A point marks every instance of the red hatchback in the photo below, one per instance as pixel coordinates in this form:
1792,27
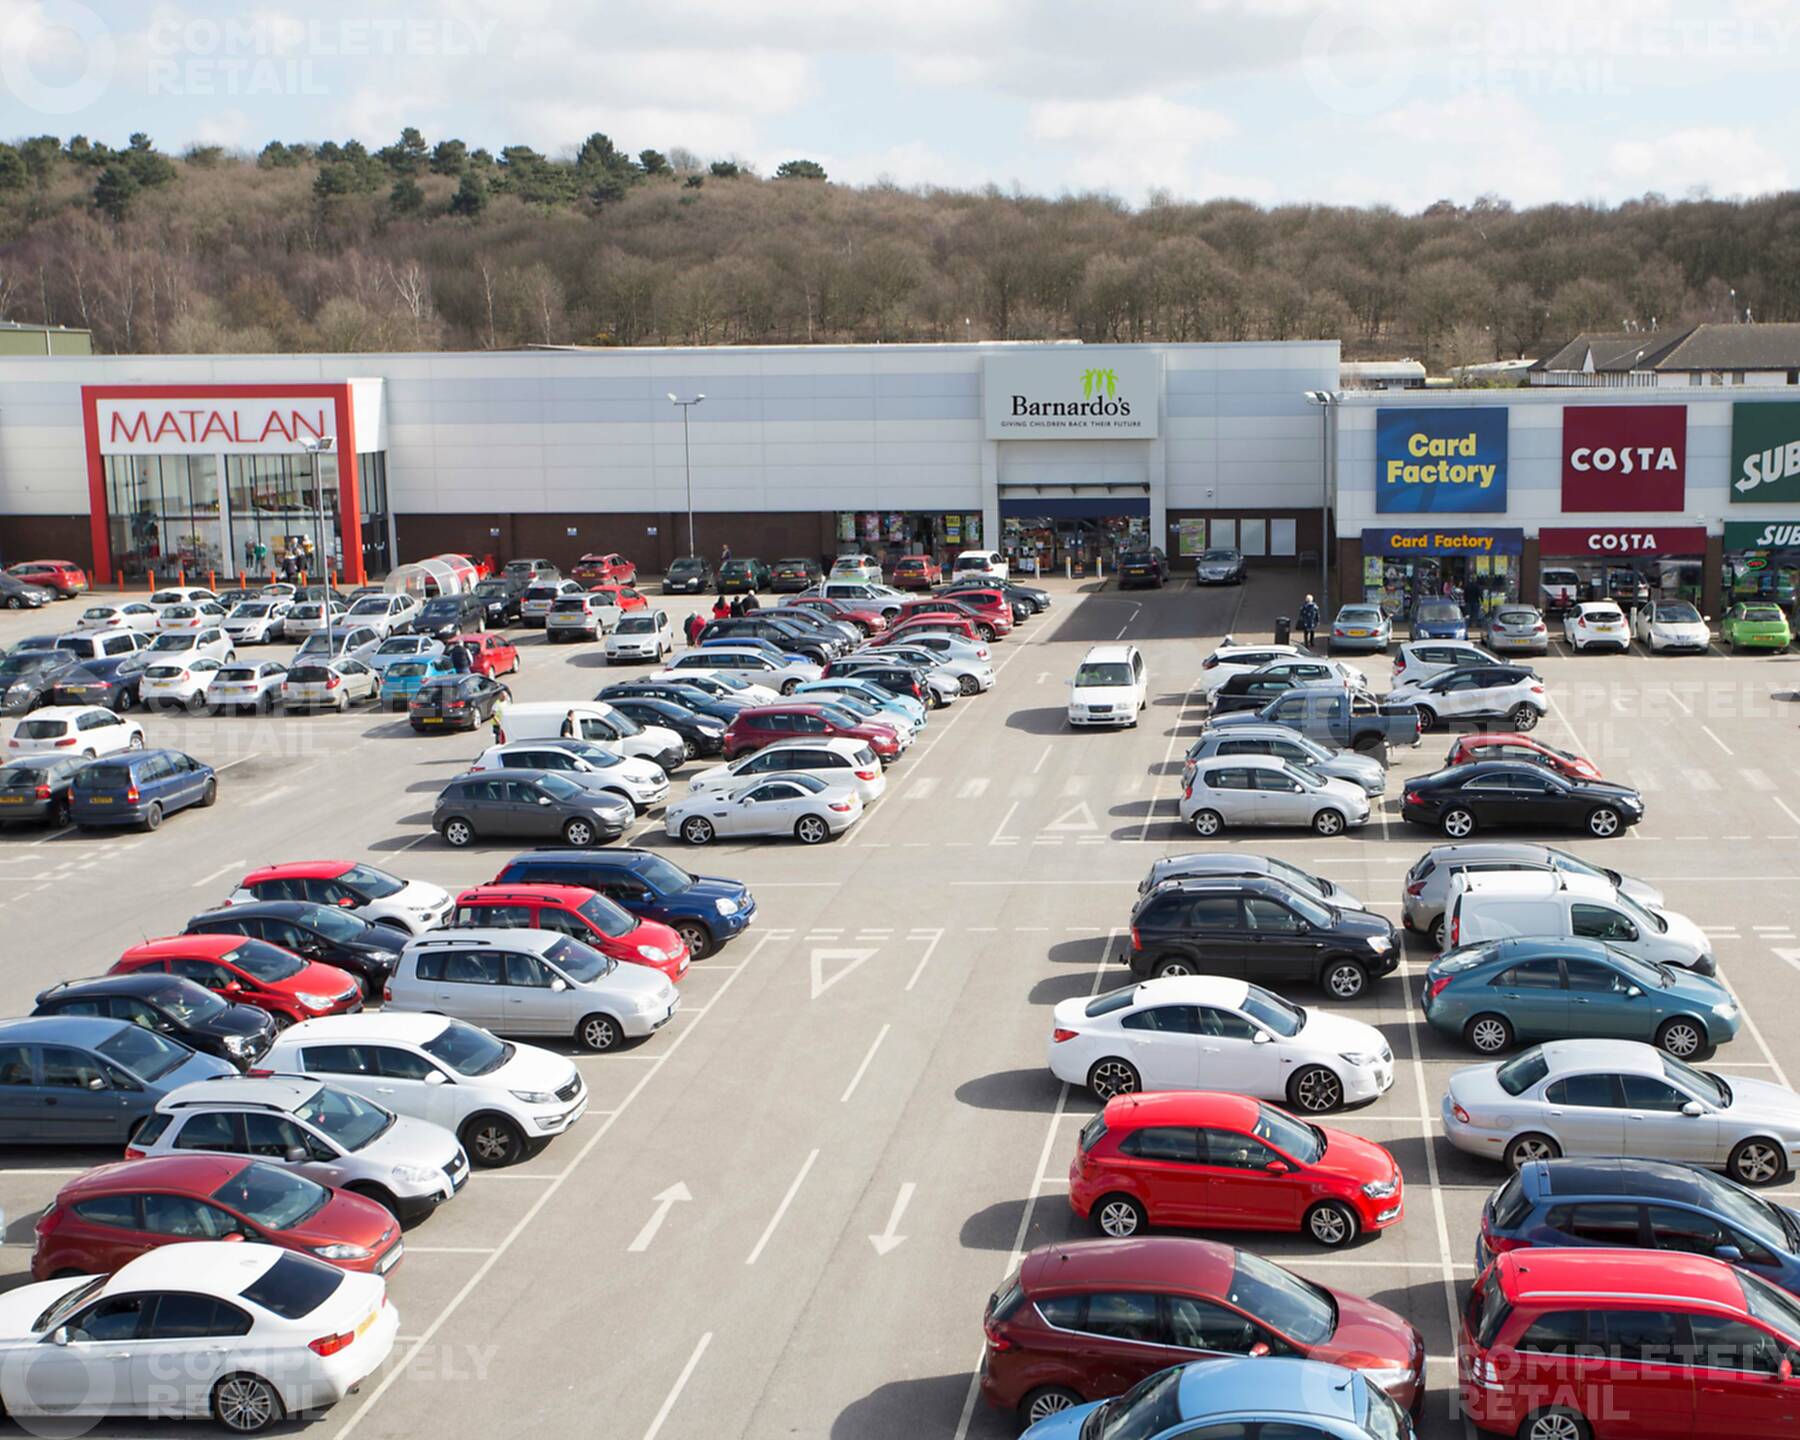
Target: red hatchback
870,622
490,654
63,576
991,607
571,910
932,622
596,570
622,596
116,1213
1089,1320
1201,1159
250,972
1502,745
917,572
760,725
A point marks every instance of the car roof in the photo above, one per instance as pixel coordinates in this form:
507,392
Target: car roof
265,910
59,1029
1526,947
1192,990
1108,652
1148,1262
199,1172
495,893
837,744
1181,1107
1311,1389
61,712
300,870
450,937
1255,762
134,982
626,858
1536,884
1648,1179
1605,1273
790,707
401,1027
212,1267
207,947
1621,1056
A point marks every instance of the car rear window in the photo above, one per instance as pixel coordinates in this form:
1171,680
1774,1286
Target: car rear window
1511,1204
1113,1000
294,1286
309,674
1093,1133
1520,1073
41,729
234,674
103,777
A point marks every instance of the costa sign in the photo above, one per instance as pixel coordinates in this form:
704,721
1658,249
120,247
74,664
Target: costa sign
1624,457
260,425
1622,540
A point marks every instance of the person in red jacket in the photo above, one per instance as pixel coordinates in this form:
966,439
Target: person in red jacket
694,626
721,608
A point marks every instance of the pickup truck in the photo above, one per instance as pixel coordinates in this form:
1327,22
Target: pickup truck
1333,717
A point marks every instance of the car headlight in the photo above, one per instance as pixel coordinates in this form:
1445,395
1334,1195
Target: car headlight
1362,1059
534,1097
1380,944
710,728
417,1175
726,906
1725,1008
341,1252
316,1002
237,1044
1381,1189
1387,1376
655,954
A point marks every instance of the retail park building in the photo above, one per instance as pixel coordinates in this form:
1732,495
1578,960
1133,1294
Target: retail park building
1057,453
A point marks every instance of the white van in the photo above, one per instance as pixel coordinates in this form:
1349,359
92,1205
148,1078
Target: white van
590,720
1495,905
1110,686
980,562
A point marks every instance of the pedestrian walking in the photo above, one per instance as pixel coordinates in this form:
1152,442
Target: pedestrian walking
694,626
721,608
1309,618
494,717
737,607
459,658
751,603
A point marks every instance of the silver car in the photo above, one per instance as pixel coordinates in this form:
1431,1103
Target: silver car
326,1134
1622,1097
1364,771
334,685
531,982
1418,660
1361,627
257,622
541,595
1264,790
1518,630
971,676
1425,893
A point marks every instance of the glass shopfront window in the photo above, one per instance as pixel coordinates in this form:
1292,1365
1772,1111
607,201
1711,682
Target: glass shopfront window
890,534
274,503
371,479
164,514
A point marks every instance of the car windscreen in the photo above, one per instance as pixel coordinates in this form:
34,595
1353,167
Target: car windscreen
1219,557
1523,1071
1297,1308
164,644
1775,1308
347,1118
493,589
581,963
1437,610
663,875
370,605
637,625
1306,1143
1151,1408
441,609
1103,674
1279,1015
467,1050
189,1003
606,917
275,1199
406,669
294,1286
1674,612
143,1052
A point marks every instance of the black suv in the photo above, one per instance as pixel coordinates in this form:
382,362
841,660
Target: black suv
500,596
1142,567
170,1006
314,932
1261,930
447,615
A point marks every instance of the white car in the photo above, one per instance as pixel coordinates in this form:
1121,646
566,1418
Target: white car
126,615
725,684
1111,687
310,617
248,1324
857,567
1596,624
247,685
181,595
1670,625
848,763
582,616
540,595
753,665
971,677
1302,672
186,619
178,646
800,805
182,683
1231,658
501,1100
1500,691
641,635
412,906
328,684
257,622
531,982
593,764
1418,660
89,730
103,644
980,562
1208,1032
402,647
353,642
1265,790
384,614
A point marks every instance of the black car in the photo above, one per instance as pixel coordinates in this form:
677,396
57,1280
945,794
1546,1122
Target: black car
500,596
776,631
112,682
1148,566
15,594
447,615
738,575
168,1005
700,734
1260,929
825,629
37,788
1250,690
314,932
28,676
797,572
688,575
688,697
454,702
1506,794
890,675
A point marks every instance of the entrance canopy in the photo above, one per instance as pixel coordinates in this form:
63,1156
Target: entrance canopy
1074,502
440,575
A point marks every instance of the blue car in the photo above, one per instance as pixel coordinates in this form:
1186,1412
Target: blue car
1502,993
401,680
904,706
1646,1204
1243,1396
1439,620
705,910
140,787
762,647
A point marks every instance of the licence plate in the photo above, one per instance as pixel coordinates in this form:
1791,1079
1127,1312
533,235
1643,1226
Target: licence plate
382,1266
434,719
12,799
100,799
367,1320
1358,634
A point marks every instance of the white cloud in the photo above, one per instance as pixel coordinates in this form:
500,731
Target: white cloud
1718,159
1128,146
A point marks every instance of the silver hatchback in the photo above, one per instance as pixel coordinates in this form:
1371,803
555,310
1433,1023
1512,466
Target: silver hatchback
1425,893
1518,630
1364,771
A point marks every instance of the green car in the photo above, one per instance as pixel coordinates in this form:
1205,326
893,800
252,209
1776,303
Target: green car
1756,624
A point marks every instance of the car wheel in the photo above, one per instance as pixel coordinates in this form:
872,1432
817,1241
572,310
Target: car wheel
210,794
986,632
13,602
1315,1090
1112,1077
246,1404
1557,1424
60,813
1528,1147
1489,1034
493,1141
1172,967
1428,719
1524,717
1344,980
458,832
687,750
1458,824
123,702
968,684
1046,1401
578,832
811,830
697,830
1604,822
787,686
696,937
1207,822
136,742
1682,1037
1437,933
1328,822
1332,1224
1756,1162
1119,1216
89,755
153,816
599,1032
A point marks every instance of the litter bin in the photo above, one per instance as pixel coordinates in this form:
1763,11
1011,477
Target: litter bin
1284,629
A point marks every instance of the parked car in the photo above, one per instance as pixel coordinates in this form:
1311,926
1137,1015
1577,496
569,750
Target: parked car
704,910
1420,660
897,677
886,702
388,614
640,783
576,911
1220,565
85,730
1111,687
1267,790
27,677
849,764
116,683
1598,624
737,576
688,575
1210,864
1363,771
253,972
1665,625
256,621
500,597
410,906
15,594
864,619
777,636
1497,906
747,664
1252,692
310,617
700,734
445,616
346,642
645,636
917,572
610,567
527,803
171,1006
453,702
530,571
199,615
1425,893
596,721
1475,692
1500,745
989,563
397,648
690,695
1231,658
1147,566
328,934
1517,630
577,617
38,789
856,566
140,787
1200,1159
794,573
336,685
489,654
1508,793
762,725
133,616
185,686
1438,620
177,647
402,680
799,804
1361,627
64,578
1752,625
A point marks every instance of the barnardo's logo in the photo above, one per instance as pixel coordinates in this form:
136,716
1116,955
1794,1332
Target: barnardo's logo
1092,380
1099,400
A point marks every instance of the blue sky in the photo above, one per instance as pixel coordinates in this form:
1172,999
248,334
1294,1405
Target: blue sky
1343,101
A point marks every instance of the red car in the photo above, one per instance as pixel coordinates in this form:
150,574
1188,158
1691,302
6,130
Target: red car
590,918
870,622
251,972
932,622
490,654
116,1213
622,596
1502,745
990,607
1605,1344
63,576
1085,1321
1205,1160
760,725
917,572
595,570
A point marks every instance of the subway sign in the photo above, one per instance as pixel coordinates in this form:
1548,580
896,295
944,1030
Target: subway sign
1762,535
1441,460
1765,453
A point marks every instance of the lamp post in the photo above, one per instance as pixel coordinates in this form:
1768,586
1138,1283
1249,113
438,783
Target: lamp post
687,458
1325,400
324,445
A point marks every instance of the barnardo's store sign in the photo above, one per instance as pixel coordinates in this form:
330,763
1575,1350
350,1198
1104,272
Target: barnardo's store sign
1765,453
1071,392
1445,541
1442,460
260,425
1617,459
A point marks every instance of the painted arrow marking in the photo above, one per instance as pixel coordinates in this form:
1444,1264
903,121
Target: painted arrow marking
887,1240
664,1203
846,960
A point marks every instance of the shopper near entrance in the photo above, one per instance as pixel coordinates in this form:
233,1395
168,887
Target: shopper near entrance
694,626
1309,618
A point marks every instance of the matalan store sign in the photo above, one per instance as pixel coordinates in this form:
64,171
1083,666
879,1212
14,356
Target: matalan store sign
260,425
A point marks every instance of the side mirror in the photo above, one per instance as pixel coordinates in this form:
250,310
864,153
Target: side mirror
1633,993
294,1154
435,1077
345,902
96,1082
237,1235
1276,1167
1693,1109
1262,1037
60,1335
543,799
1730,1254
559,984
1259,1349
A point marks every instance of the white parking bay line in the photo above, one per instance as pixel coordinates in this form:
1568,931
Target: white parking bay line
681,1381
861,1069
781,1210
1786,809
224,869
1707,731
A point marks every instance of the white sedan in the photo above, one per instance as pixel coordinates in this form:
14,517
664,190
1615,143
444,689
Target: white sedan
1670,625
178,646
1234,659
331,685
183,683
238,1333
1208,1032
972,677
1596,623
849,763
126,615
590,763
90,730
248,686
723,684
800,805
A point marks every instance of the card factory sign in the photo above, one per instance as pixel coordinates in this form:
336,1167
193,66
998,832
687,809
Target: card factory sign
1441,460
1071,392
263,425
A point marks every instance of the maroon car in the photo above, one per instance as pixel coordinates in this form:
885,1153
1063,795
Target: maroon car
760,725
866,619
